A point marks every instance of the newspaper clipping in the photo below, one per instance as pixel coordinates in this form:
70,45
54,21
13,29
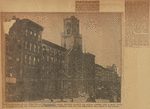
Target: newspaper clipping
62,58
70,59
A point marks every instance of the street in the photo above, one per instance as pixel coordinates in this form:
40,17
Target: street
75,100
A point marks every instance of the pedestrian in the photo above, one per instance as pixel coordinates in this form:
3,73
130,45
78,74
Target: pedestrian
61,98
72,100
90,98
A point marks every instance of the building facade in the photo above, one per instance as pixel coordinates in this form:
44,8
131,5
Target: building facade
107,82
88,73
53,70
25,44
56,71
72,41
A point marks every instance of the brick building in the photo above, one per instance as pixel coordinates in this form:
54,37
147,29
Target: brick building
53,69
56,71
101,76
88,73
107,81
25,45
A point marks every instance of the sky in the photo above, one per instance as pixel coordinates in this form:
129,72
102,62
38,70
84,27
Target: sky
101,32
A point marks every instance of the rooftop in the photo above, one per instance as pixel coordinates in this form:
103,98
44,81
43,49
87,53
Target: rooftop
53,45
99,66
90,54
26,22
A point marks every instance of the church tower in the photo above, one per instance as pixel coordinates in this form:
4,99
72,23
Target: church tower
71,38
72,41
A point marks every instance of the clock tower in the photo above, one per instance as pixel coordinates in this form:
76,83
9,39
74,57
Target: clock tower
72,41
71,37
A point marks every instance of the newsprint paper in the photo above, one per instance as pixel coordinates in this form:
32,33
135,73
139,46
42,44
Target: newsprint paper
75,54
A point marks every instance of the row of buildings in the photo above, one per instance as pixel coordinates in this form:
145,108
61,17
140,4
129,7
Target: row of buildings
38,69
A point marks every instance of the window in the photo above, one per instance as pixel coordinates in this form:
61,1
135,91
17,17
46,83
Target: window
34,61
68,27
52,51
11,74
26,32
38,60
35,34
43,68
20,72
17,59
25,58
44,48
47,70
47,49
29,60
38,49
30,46
56,52
52,59
9,58
39,37
31,32
34,48
47,58
26,45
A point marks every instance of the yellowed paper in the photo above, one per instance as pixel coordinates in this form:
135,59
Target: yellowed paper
94,50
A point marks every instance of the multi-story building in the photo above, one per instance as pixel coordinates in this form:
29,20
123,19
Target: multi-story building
101,76
53,69
56,71
10,84
88,73
106,80
25,45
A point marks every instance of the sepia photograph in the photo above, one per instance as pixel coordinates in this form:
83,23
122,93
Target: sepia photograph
75,54
63,57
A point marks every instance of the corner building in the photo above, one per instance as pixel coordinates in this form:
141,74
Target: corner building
26,41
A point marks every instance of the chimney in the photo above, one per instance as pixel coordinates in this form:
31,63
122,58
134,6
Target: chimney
14,18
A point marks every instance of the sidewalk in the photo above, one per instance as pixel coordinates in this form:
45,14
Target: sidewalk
75,100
